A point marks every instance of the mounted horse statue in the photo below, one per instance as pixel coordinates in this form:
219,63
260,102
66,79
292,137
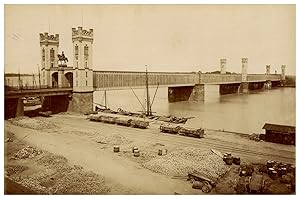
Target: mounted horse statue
62,58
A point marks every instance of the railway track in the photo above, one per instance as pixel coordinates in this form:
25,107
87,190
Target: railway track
244,151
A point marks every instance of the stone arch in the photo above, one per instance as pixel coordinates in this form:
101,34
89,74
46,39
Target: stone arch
69,78
54,77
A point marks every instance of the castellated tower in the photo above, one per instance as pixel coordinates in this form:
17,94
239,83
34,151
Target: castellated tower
49,49
82,69
223,66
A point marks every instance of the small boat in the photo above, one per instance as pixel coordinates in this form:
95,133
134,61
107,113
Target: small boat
169,128
32,101
191,132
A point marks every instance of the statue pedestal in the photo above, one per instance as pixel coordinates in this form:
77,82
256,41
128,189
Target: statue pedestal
62,65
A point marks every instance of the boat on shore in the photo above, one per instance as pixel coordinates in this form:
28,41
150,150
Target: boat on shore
32,101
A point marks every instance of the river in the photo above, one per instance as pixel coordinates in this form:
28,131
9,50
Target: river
244,113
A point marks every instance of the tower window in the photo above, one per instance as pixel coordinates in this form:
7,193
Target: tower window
52,65
86,52
86,83
76,73
51,54
76,52
43,54
86,74
77,64
86,65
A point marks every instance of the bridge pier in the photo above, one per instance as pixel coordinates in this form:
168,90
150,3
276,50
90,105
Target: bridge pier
244,87
228,88
256,85
268,84
13,108
185,93
57,104
82,102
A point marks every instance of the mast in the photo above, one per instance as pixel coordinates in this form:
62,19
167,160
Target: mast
39,77
19,79
105,99
147,92
33,80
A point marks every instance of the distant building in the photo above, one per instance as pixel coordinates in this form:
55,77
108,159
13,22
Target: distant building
282,134
22,80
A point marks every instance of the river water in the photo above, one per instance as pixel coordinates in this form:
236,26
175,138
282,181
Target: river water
244,113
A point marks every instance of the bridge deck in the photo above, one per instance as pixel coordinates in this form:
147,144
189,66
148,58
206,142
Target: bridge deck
38,92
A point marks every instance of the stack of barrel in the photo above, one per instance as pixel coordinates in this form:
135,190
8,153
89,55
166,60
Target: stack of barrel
229,159
279,169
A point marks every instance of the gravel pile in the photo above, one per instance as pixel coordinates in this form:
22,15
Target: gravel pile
31,123
188,160
80,182
27,152
112,139
14,169
33,184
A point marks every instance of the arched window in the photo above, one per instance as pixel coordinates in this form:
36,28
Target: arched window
52,55
43,54
86,52
76,52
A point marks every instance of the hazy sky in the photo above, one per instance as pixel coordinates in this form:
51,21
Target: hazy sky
165,37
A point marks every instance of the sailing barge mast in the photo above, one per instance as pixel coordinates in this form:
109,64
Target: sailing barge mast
149,112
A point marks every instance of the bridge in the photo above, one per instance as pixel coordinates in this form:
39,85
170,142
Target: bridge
182,86
103,80
70,88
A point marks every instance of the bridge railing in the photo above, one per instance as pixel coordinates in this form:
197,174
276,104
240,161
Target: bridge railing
219,78
256,77
273,77
18,88
107,79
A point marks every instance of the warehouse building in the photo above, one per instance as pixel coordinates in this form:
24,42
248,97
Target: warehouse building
282,134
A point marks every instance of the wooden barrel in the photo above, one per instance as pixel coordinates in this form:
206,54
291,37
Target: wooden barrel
270,170
237,160
136,153
273,175
116,149
270,163
228,160
159,151
134,148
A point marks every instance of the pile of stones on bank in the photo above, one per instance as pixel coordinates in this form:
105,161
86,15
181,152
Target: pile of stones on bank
119,121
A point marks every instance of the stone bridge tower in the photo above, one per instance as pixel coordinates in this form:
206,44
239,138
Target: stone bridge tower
82,99
49,49
223,66
244,84
283,72
268,69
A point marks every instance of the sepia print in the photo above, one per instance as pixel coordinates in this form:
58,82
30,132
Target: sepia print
149,99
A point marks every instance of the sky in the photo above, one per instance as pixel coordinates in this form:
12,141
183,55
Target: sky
164,37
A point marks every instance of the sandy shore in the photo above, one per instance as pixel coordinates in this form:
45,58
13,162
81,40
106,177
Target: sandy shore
84,150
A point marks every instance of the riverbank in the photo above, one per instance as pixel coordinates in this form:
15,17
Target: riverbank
80,147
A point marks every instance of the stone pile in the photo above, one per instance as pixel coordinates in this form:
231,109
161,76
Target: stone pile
31,123
112,139
189,160
27,152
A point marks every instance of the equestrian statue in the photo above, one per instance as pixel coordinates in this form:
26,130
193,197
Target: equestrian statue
62,58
